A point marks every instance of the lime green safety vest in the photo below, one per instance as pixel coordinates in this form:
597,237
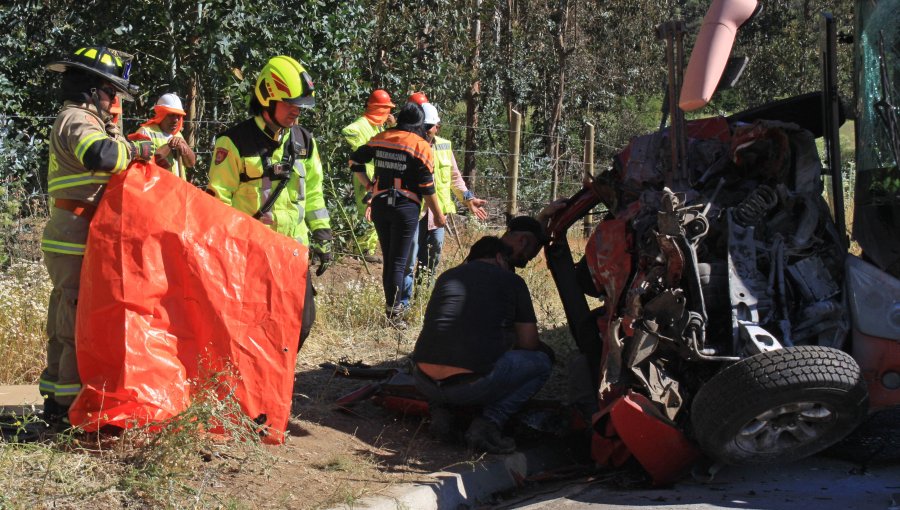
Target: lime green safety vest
358,134
158,138
443,173
237,177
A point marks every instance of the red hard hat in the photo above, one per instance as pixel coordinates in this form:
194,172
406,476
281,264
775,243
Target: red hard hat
380,97
418,97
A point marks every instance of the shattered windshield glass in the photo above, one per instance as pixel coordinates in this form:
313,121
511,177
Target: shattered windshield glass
877,194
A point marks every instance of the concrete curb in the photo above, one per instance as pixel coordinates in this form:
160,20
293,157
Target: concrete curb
465,487
20,399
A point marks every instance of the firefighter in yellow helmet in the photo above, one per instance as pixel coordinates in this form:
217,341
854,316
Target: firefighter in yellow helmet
86,148
268,167
164,130
357,134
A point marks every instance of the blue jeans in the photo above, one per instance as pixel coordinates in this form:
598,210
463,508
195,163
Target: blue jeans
419,260
516,377
431,243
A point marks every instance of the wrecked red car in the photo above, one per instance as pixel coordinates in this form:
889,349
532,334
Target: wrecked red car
735,322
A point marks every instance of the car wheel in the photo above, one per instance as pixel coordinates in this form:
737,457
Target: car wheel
779,405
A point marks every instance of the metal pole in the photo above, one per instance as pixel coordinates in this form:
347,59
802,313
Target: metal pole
830,113
588,170
679,79
665,32
515,135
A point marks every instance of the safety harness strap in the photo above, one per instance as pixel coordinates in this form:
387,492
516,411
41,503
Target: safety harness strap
296,149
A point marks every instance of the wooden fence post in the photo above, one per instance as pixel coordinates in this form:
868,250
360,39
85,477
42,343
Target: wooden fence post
515,135
588,170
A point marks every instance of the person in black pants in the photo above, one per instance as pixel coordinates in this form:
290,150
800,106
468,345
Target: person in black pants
404,166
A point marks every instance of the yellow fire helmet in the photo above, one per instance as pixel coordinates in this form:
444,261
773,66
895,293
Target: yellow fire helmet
285,79
107,63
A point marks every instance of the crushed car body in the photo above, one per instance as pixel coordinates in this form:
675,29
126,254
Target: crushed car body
731,308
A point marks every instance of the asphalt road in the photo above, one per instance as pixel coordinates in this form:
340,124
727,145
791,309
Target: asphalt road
817,483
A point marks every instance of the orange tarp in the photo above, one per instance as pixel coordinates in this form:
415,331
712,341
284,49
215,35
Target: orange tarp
177,286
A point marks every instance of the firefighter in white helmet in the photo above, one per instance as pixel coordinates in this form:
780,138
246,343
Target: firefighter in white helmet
448,182
172,151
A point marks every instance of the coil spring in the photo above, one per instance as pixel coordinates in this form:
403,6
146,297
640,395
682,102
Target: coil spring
755,207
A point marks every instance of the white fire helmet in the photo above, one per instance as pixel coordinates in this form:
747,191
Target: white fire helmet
431,114
171,102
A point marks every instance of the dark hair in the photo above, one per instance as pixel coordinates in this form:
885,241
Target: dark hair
488,247
527,224
411,118
77,84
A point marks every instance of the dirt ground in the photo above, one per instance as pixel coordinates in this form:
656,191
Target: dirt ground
337,456
333,457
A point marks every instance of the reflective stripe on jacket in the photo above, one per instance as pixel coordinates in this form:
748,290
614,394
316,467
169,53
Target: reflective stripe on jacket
357,134
176,166
404,161
299,209
443,173
83,156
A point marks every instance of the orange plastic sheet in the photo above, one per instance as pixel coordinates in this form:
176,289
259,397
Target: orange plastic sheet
177,287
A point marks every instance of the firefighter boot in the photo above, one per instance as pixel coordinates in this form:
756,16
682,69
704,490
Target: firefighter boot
484,435
56,416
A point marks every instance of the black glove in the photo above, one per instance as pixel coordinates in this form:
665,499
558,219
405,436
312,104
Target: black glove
322,247
367,198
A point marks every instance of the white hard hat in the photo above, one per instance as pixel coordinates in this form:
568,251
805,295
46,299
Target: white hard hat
431,114
171,102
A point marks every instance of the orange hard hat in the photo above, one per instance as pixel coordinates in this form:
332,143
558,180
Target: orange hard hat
380,97
418,97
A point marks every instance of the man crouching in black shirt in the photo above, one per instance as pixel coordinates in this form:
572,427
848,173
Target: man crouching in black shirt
479,347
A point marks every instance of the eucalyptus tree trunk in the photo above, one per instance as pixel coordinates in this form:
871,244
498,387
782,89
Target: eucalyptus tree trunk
472,99
562,52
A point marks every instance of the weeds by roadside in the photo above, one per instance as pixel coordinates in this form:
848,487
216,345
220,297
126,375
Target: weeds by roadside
175,464
180,464
24,292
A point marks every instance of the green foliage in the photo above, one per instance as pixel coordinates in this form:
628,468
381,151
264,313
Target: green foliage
559,63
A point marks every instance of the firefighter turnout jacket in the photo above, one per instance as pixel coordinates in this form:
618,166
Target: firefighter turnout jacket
84,153
249,165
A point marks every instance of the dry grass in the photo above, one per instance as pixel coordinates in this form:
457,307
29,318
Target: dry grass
183,466
24,292
176,467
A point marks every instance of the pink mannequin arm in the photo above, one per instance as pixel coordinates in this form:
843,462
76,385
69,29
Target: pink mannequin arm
711,51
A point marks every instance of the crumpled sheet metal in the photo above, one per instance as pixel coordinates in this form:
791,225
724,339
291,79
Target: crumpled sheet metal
178,288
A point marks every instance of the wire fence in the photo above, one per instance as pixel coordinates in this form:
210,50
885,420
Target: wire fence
23,163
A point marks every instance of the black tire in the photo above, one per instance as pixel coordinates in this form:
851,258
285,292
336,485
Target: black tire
779,406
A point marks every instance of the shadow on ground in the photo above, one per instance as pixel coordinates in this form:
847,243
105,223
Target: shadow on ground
400,442
395,442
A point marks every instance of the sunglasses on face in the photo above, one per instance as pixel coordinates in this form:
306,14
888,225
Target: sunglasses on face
109,91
